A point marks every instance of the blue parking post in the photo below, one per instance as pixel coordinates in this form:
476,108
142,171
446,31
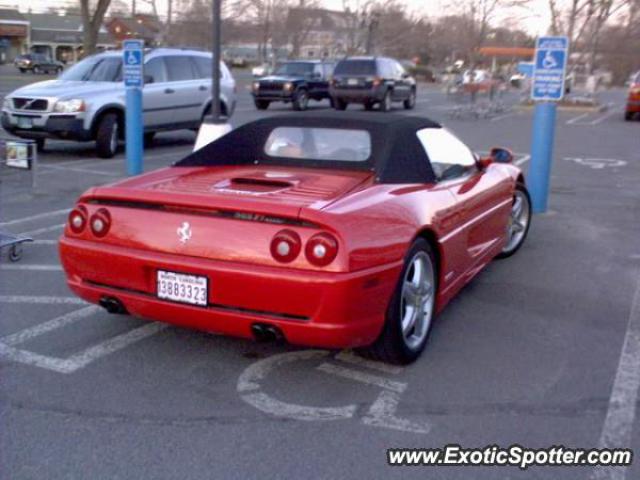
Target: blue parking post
134,136
547,87
544,124
133,81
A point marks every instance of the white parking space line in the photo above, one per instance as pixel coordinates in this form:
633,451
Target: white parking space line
44,242
347,356
79,170
523,159
362,377
35,359
34,217
573,120
505,115
618,424
46,300
59,322
114,344
33,268
603,117
38,231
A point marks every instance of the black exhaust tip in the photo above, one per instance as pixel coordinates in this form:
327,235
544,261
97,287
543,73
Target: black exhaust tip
263,332
112,305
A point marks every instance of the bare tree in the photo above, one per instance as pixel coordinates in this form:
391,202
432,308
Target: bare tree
269,15
92,18
300,25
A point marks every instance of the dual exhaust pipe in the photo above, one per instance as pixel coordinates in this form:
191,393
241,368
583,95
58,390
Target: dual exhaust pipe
262,332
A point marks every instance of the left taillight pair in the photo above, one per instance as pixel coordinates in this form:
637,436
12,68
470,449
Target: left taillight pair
320,250
99,222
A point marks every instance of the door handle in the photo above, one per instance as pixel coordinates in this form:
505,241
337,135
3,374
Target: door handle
202,88
169,90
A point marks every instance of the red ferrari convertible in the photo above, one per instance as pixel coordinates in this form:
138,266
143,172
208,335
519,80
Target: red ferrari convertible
332,230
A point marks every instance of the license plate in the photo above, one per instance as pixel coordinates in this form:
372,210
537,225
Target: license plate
179,287
25,122
353,81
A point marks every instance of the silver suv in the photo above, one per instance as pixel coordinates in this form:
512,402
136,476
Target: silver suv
87,101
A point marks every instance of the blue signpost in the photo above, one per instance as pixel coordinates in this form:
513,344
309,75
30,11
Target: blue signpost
133,73
547,88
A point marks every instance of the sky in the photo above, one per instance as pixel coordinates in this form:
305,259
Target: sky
535,19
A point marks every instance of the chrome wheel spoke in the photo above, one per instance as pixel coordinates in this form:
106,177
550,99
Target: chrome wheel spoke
417,300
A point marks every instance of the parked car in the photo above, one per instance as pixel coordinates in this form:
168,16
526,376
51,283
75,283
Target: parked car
633,99
37,63
332,230
87,102
370,81
294,82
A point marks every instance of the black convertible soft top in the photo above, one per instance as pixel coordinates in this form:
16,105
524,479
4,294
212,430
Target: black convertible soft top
396,153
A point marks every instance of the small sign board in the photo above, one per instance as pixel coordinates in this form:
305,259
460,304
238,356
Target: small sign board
549,67
133,63
19,154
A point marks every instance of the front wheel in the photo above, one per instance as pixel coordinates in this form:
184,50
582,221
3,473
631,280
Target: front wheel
107,136
519,221
410,103
411,311
301,100
385,104
261,104
628,116
340,104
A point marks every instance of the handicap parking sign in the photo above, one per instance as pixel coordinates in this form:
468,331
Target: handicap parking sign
549,68
132,63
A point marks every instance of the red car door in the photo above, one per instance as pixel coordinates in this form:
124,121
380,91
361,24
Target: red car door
482,204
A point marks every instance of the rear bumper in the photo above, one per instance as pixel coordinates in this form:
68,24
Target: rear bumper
358,95
633,105
322,309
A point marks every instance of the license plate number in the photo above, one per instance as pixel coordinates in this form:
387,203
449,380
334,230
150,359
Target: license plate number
353,81
179,287
25,122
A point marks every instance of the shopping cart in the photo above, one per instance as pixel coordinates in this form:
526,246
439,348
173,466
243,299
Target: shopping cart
12,244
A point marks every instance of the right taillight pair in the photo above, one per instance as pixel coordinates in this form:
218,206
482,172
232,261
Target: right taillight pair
100,221
320,250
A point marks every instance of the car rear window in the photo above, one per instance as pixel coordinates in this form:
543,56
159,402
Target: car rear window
339,144
355,67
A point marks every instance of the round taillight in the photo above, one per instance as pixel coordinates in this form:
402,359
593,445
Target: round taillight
100,222
78,219
285,246
321,249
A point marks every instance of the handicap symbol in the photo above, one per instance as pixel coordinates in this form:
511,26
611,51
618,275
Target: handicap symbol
549,61
132,58
381,413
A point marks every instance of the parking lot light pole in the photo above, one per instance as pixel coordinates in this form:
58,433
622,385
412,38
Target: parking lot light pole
214,126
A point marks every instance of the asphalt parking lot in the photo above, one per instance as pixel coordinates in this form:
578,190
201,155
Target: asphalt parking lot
540,349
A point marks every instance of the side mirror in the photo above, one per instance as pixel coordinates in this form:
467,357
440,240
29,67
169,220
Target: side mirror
501,155
148,79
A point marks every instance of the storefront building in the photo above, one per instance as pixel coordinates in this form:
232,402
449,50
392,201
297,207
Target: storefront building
14,34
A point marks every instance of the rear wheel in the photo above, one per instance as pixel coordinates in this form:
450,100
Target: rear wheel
411,311
340,104
368,105
40,144
107,136
301,100
519,221
23,70
628,116
385,104
261,104
36,69
410,102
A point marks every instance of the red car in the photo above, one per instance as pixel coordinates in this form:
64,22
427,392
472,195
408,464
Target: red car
633,100
332,230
